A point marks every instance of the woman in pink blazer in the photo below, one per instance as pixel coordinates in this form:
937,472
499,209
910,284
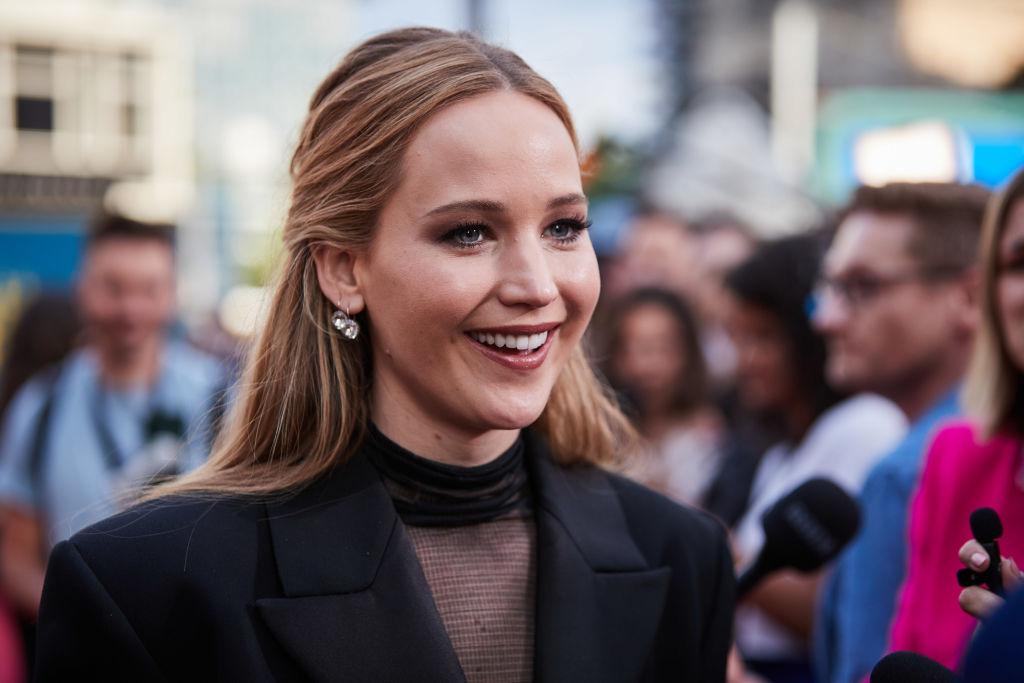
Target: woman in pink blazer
976,464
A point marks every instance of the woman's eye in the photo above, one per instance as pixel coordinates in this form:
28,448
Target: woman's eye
466,235
566,230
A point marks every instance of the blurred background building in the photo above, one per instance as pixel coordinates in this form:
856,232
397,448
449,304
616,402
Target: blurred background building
771,111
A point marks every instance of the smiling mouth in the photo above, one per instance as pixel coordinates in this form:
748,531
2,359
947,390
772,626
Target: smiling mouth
522,348
511,344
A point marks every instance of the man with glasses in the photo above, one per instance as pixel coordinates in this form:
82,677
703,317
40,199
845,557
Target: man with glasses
897,305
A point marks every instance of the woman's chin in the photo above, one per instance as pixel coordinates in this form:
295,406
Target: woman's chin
511,417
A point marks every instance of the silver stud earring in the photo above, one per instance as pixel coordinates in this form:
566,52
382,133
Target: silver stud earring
348,327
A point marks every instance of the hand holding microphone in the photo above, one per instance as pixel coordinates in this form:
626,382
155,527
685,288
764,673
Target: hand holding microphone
985,566
994,655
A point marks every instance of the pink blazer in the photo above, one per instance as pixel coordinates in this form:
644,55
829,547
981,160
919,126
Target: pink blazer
960,475
12,668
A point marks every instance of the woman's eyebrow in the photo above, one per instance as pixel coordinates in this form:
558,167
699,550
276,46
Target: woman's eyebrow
484,205
491,206
567,199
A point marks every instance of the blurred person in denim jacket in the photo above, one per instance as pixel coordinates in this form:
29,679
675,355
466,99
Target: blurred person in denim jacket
898,307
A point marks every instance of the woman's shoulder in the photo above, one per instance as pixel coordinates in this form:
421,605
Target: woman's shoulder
960,443
864,411
856,432
656,519
179,536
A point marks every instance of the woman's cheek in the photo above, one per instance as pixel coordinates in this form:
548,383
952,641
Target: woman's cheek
582,284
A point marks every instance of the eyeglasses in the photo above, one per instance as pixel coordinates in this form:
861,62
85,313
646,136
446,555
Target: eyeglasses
859,291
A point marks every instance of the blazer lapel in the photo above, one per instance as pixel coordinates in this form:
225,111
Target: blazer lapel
599,603
357,606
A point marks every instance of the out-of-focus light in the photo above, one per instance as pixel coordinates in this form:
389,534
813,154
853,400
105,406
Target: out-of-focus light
149,200
920,152
979,44
251,146
243,310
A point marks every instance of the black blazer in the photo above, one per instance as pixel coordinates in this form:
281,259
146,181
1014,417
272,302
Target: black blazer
325,586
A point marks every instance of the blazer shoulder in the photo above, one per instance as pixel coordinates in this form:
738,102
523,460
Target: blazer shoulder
656,519
172,536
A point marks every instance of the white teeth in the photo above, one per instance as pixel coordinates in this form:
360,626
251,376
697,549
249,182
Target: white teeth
521,342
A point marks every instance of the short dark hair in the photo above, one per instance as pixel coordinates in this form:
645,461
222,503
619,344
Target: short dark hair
947,219
778,278
111,226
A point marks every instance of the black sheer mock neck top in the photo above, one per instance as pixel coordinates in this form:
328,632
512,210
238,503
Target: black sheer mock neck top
474,535
429,493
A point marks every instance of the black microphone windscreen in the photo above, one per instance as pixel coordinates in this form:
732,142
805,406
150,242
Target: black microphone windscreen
910,667
986,525
810,525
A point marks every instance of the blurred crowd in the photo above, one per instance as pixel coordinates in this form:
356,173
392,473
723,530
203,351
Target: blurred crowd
883,351
880,351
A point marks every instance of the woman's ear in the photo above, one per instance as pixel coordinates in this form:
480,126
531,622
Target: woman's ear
336,273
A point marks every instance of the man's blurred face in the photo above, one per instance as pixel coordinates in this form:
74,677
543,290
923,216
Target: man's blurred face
885,324
127,292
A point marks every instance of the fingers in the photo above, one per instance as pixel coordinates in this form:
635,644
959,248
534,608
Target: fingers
979,602
973,555
1012,576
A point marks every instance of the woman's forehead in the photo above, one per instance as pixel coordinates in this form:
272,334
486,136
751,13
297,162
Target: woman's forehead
492,145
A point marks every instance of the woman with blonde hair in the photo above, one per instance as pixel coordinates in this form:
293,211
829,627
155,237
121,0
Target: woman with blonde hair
973,464
409,487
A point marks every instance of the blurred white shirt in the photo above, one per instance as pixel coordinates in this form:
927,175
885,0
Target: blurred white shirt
842,445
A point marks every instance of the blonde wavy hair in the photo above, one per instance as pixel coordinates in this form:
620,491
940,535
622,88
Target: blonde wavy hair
303,403
994,389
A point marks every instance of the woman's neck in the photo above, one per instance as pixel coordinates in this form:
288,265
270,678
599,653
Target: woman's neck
445,444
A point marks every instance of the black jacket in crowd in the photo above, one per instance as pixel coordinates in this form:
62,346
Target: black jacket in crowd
325,586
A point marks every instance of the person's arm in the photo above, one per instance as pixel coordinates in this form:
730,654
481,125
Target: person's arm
21,559
789,598
82,632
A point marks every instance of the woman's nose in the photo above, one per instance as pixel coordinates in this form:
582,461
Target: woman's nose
526,276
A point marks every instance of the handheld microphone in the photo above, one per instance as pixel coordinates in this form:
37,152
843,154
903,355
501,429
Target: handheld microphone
910,667
986,528
804,529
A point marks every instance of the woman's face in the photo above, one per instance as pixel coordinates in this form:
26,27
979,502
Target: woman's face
651,356
1010,287
480,278
764,370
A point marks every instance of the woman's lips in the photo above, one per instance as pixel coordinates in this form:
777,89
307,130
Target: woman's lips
517,359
